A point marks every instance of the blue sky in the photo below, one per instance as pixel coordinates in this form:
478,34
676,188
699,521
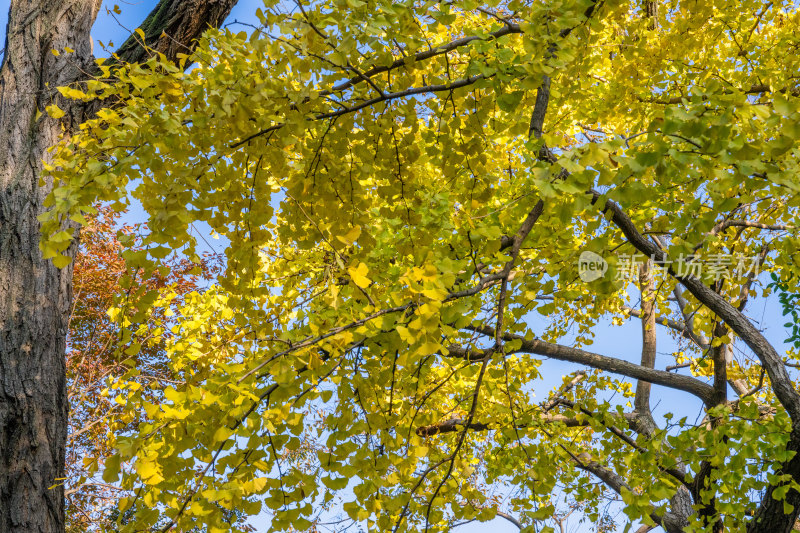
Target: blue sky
116,28
623,342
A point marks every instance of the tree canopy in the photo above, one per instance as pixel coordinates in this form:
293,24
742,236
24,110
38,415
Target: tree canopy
401,187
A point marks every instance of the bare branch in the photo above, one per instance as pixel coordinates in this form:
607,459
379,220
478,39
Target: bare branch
602,362
722,226
678,327
508,29
754,89
386,97
772,362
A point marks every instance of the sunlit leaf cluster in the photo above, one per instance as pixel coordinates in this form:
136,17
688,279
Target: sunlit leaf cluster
402,244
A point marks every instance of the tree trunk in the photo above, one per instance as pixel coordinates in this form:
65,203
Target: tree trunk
34,295
770,516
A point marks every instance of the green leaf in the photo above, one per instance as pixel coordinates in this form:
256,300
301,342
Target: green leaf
111,468
510,101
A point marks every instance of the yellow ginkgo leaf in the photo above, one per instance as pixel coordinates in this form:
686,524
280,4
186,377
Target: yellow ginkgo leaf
359,275
54,111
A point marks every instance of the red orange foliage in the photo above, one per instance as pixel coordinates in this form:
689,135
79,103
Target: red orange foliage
93,357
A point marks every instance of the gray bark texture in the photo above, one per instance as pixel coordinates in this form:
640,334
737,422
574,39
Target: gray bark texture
35,297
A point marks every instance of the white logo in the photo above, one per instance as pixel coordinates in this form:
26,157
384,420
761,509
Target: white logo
591,266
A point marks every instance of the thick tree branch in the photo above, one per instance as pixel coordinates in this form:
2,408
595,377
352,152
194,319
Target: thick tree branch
601,362
458,424
719,358
644,422
772,362
173,27
708,510
510,519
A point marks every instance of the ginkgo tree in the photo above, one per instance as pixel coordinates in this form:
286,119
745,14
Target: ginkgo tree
402,187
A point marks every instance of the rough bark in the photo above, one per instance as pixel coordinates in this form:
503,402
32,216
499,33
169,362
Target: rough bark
770,516
34,295
680,509
172,27
651,13
643,422
708,511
